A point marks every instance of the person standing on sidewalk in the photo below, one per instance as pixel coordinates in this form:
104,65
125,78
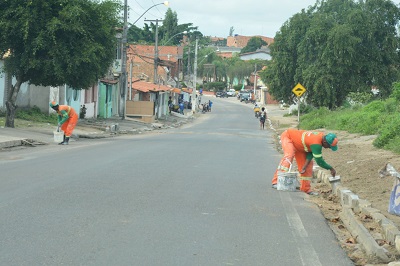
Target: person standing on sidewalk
181,107
67,120
305,146
170,105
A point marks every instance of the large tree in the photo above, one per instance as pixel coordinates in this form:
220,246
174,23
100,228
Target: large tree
334,48
51,43
168,32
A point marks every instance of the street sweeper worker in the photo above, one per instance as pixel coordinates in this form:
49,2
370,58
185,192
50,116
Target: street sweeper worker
67,119
305,146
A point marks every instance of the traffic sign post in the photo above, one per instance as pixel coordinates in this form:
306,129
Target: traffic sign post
298,90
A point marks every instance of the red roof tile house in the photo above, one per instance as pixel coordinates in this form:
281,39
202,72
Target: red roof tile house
241,41
140,61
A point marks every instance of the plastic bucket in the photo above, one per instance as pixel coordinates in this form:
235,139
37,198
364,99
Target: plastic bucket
58,136
287,181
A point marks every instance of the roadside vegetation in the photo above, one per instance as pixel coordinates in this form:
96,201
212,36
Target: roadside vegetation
31,115
334,48
375,117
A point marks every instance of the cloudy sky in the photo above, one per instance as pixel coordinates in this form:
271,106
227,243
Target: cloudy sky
216,17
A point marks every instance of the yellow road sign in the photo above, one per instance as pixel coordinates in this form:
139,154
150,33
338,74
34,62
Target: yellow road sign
299,90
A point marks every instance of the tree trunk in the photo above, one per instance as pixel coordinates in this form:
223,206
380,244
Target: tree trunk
10,114
11,103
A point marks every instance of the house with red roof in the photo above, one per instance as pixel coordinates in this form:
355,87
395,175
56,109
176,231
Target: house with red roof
140,63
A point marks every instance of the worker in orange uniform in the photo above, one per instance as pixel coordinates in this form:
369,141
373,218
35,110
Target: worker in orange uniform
67,119
304,146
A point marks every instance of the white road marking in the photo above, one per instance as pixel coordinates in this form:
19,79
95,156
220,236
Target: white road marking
307,253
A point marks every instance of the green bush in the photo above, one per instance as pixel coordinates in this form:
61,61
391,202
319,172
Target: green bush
215,86
367,123
360,97
374,106
238,87
318,118
396,91
391,106
388,133
35,114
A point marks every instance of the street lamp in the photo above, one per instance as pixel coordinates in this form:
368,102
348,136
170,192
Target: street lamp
124,82
157,52
165,3
206,56
183,32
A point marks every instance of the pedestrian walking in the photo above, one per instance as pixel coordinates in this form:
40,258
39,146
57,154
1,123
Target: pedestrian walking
67,120
263,117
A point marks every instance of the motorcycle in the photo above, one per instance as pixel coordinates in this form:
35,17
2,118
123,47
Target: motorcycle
205,108
257,111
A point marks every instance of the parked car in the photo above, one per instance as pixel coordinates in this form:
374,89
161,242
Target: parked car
231,93
221,94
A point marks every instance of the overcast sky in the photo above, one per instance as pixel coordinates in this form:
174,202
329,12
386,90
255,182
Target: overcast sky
216,17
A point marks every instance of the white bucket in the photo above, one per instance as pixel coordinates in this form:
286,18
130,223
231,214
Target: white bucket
287,181
58,136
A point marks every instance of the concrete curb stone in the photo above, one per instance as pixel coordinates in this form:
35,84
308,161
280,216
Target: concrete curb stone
357,229
352,204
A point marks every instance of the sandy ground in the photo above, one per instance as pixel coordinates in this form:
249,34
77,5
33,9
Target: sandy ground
357,162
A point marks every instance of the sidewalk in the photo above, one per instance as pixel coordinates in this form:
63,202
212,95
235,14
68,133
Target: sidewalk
42,133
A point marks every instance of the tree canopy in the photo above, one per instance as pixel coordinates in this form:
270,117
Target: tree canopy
253,44
57,42
334,48
168,32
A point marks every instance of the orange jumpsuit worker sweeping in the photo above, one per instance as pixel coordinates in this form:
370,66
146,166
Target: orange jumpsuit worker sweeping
67,119
304,146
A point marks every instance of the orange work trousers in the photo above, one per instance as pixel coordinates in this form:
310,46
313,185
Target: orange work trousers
289,153
69,125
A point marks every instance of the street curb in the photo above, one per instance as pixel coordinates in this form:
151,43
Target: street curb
10,143
351,205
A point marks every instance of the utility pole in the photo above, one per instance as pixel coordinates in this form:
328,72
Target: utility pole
255,81
194,78
155,49
123,80
188,66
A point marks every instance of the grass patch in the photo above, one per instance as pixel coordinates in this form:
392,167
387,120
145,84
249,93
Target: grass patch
31,114
376,118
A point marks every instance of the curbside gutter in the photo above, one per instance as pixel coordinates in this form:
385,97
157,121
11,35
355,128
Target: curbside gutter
351,205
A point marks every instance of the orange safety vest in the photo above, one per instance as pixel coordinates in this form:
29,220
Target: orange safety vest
303,139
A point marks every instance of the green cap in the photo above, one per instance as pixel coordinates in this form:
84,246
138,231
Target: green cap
332,141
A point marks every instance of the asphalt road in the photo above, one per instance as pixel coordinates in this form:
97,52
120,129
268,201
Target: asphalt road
197,195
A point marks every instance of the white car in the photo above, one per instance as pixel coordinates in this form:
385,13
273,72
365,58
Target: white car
231,92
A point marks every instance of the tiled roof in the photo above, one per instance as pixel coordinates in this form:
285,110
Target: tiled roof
241,41
166,53
144,86
109,81
175,90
